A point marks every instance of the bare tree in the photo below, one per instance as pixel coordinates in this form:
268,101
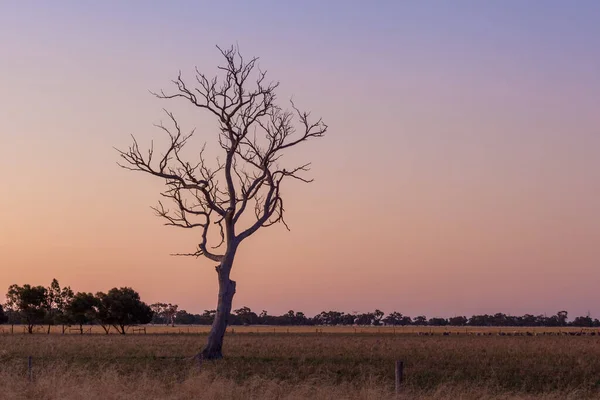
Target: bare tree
253,133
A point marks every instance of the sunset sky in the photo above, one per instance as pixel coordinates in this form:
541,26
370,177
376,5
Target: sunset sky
460,174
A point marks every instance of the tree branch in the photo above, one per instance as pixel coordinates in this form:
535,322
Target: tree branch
253,133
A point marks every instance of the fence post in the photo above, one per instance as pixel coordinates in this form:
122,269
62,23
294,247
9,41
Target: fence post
399,374
29,368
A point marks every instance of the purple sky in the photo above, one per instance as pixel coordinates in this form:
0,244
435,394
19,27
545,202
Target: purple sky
461,172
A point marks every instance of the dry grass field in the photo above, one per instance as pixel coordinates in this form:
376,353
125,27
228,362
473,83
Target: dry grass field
335,364
261,329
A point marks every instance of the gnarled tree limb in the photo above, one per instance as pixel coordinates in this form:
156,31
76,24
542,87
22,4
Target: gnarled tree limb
253,132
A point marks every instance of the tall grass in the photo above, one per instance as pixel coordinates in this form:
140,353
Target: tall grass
294,366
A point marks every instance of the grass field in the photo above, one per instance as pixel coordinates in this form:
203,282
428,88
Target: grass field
260,329
335,364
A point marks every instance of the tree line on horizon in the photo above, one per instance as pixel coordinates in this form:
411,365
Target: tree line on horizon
121,308
245,316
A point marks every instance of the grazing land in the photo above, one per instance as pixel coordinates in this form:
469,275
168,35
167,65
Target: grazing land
335,364
340,329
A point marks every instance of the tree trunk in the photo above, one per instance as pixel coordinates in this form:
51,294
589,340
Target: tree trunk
214,344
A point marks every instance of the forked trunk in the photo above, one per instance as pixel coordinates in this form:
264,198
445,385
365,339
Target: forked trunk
214,344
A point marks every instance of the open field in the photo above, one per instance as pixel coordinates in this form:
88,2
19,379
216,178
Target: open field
300,365
261,329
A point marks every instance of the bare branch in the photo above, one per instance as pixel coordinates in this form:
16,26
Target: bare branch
253,133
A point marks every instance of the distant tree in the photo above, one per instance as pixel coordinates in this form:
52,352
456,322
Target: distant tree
437,322
361,319
3,316
562,317
369,318
587,322
157,317
265,319
164,313
241,194
333,318
30,302
83,309
458,321
246,316
394,318
170,313
56,303
121,308
301,318
500,319
420,320
377,317
525,320
540,320
480,320
185,318
290,318
207,317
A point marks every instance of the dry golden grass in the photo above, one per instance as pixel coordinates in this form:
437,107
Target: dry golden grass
260,329
296,366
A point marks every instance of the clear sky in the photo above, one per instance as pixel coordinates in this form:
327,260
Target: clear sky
461,173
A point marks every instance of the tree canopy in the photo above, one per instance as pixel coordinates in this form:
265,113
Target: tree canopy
122,307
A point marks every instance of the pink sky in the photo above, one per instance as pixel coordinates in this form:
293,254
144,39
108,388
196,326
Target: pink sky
460,174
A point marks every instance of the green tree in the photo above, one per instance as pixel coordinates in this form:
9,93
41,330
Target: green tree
82,309
30,302
121,308
164,313
57,300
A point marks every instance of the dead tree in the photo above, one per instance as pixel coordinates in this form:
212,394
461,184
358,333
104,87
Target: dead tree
253,133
